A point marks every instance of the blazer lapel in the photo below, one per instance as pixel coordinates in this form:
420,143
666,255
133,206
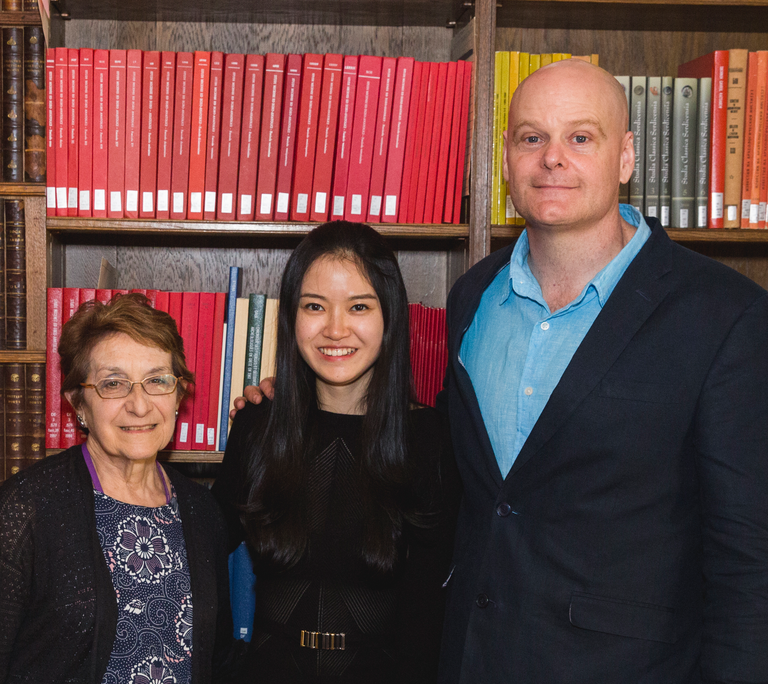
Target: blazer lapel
640,290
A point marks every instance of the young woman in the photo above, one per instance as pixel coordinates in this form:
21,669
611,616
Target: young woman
344,490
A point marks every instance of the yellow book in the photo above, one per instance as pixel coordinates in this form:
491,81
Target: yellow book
534,63
238,351
525,67
561,56
583,58
514,80
546,59
269,343
503,117
495,185
595,59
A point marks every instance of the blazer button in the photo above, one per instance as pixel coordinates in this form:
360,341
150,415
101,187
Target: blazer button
481,600
503,510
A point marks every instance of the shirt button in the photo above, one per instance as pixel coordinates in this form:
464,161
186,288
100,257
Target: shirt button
481,600
545,326
503,510
529,391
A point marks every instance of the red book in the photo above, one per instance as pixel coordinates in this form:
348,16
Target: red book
344,137
150,102
199,137
758,139
761,211
203,385
85,133
306,136
274,75
165,133
463,141
132,132
453,155
50,138
87,294
182,124
714,66
229,150
437,136
152,297
116,161
396,154
53,368
103,296
427,143
444,146
70,303
214,134
287,149
190,305
100,131
174,308
214,401
750,102
420,69
381,140
73,91
162,301
61,56
325,151
139,290
363,136
253,84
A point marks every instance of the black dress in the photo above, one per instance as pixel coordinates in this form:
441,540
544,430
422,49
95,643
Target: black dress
392,623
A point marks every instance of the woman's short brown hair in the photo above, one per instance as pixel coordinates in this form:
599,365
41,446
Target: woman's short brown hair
130,314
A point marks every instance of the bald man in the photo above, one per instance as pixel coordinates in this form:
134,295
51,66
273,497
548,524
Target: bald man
608,399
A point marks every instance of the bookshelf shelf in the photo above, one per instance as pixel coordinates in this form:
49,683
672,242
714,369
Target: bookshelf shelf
678,235
61,226
8,18
22,189
22,356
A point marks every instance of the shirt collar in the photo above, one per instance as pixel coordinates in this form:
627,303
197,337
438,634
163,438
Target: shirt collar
524,284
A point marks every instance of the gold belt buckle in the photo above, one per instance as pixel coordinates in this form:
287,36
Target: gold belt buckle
326,641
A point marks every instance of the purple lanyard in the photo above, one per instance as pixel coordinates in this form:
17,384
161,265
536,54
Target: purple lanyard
95,478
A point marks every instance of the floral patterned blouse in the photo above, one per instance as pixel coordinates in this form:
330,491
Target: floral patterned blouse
147,558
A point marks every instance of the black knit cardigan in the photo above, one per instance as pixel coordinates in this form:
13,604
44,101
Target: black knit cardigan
58,609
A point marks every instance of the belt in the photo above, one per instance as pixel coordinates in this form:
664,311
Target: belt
326,641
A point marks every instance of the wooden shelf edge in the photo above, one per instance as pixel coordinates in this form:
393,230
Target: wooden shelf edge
61,225
175,456
10,18
22,356
678,235
27,189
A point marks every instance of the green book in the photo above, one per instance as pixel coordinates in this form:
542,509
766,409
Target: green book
702,151
256,304
665,146
684,108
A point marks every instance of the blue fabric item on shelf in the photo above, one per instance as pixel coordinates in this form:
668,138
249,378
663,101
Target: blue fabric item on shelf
242,589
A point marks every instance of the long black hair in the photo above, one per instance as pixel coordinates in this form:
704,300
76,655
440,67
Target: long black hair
275,512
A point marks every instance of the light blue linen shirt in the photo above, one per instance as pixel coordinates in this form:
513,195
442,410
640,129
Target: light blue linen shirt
516,350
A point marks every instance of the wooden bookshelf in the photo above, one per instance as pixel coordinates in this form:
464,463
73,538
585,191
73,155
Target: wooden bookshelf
22,190
22,356
8,18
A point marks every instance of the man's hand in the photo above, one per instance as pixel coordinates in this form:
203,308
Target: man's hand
253,394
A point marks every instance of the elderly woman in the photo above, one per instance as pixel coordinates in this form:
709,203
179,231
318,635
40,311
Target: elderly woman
103,551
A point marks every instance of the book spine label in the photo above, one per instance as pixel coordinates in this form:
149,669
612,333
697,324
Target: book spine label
381,139
34,105
213,135
665,147
344,137
274,76
150,85
652,137
85,133
62,131
287,148
734,136
306,136
100,131
397,138
253,84
325,150
684,152
165,133
15,275
419,69
229,151
50,138
444,147
702,151
73,94
116,158
133,132
199,138
637,111
182,123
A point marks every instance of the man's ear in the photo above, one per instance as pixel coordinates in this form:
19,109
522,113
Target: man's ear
627,157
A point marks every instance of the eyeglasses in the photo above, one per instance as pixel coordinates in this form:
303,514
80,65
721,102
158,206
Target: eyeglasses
119,388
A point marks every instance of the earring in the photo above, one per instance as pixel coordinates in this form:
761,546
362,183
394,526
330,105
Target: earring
177,414
81,421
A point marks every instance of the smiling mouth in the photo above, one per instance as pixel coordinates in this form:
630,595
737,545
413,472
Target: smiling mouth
333,351
138,428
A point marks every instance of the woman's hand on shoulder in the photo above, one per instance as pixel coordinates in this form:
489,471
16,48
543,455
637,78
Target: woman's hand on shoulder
254,395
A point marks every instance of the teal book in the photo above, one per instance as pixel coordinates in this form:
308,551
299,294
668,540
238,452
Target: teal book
683,180
256,306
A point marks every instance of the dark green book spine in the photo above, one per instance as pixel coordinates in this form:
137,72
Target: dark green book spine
684,152
665,146
256,306
34,105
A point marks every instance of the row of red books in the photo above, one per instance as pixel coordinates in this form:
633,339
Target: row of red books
739,135
429,351
214,136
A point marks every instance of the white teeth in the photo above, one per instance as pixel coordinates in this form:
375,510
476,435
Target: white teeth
337,352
